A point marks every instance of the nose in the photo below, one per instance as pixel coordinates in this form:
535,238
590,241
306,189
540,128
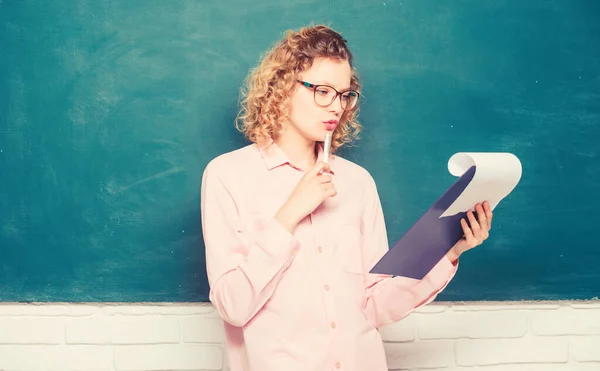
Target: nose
336,106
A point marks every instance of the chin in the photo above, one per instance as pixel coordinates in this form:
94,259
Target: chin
319,137
320,134
314,135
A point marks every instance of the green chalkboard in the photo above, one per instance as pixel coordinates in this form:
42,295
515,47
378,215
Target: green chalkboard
109,112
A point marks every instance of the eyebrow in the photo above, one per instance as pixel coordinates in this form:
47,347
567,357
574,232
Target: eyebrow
320,82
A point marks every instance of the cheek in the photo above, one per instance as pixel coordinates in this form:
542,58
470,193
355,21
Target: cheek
303,107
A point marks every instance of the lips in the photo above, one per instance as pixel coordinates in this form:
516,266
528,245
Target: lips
331,124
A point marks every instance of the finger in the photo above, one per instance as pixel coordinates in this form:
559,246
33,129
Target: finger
488,213
329,190
473,222
468,232
320,166
325,178
475,228
481,217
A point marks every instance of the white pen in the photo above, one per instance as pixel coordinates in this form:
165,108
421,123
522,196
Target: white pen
327,146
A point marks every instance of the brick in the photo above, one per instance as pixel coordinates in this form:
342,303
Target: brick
526,367
401,331
124,330
501,306
19,330
168,357
433,308
482,352
426,354
198,329
55,358
158,308
452,325
42,310
225,361
591,304
586,349
566,321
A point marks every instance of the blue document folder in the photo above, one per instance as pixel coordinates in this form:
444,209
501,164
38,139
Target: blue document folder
483,176
429,239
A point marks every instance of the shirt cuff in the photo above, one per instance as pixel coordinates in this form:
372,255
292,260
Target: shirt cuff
442,273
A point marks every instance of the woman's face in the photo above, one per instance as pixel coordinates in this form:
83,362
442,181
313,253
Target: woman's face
309,121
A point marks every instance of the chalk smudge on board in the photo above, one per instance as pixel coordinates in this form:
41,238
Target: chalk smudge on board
162,174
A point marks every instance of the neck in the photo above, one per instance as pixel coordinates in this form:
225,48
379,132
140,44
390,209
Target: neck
299,150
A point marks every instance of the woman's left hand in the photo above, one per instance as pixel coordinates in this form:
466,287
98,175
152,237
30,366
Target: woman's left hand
478,231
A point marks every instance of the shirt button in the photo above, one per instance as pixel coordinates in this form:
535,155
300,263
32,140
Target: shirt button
333,325
338,365
326,287
319,249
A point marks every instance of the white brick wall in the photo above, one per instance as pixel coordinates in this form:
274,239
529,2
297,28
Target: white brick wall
554,336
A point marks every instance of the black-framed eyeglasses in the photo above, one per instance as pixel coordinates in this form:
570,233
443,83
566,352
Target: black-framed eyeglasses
325,95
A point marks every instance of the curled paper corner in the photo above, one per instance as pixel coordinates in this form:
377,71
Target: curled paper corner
460,162
496,175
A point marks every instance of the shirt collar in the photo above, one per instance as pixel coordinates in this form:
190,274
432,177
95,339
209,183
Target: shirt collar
273,156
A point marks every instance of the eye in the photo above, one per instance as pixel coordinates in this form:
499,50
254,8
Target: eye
349,95
322,91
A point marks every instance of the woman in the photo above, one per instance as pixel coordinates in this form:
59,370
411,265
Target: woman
290,239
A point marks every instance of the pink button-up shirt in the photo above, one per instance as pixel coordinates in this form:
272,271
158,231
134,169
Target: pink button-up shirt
301,302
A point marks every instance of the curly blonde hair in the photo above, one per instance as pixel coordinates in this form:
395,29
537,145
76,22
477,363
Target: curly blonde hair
265,97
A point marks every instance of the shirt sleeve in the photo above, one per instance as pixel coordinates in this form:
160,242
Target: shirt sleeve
389,299
243,267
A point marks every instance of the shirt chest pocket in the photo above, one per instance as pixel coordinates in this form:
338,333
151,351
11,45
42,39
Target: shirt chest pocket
348,256
348,246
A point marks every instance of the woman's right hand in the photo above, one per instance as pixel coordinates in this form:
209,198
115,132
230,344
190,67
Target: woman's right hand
312,189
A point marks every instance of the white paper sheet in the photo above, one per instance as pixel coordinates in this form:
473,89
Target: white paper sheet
496,175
